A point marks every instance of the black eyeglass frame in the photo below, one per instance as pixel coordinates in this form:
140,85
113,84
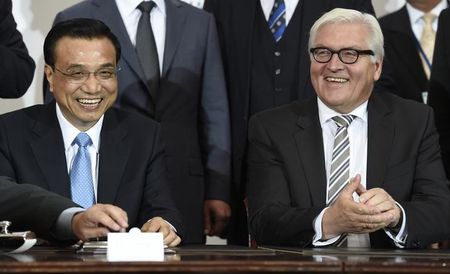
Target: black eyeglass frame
338,52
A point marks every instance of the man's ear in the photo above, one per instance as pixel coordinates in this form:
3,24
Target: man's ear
378,69
49,73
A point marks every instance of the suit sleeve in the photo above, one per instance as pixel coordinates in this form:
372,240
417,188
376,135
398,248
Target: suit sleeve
439,95
427,213
273,220
215,121
157,197
29,207
16,67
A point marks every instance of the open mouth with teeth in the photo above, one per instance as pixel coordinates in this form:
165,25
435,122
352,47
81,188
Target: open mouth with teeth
336,79
89,103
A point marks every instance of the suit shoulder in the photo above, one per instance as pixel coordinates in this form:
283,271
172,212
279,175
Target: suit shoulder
79,8
191,10
133,120
390,18
279,115
17,116
404,106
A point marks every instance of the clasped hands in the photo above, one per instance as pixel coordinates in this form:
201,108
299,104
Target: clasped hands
375,210
100,219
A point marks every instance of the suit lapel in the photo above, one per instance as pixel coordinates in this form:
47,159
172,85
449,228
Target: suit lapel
52,162
404,46
110,15
175,22
310,150
114,153
380,136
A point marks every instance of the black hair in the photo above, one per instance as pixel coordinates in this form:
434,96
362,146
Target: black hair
83,28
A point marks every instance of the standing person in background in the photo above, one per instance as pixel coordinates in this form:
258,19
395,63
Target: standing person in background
16,66
439,97
264,47
409,39
180,83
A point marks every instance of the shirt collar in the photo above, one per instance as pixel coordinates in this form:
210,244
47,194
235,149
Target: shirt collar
130,6
326,113
69,132
415,15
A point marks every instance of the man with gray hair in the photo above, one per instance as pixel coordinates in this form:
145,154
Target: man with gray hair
350,167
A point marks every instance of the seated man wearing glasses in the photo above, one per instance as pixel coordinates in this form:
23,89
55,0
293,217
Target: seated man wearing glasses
82,148
350,167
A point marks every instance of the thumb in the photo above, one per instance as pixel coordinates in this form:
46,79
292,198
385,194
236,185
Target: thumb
354,185
361,189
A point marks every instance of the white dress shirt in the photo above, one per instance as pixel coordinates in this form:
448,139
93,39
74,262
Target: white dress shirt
415,17
69,132
357,134
267,6
130,17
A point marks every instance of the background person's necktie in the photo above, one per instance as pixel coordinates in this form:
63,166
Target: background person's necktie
277,19
340,160
427,40
146,48
82,186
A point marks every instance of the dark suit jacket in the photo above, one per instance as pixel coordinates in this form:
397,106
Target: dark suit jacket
287,180
403,55
439,97
16,66
131,173
192,104
29,207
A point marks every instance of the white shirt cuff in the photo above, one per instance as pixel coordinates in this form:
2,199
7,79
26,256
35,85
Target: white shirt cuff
317,239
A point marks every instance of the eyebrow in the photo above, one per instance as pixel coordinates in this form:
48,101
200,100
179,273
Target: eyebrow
79,66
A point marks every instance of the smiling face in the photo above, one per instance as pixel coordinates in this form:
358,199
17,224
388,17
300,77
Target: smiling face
82,104
343,87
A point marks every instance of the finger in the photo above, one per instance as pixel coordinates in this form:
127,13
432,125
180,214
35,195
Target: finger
96,232
206,221
170,237
117,214
86,233
176,241
152,226
386,205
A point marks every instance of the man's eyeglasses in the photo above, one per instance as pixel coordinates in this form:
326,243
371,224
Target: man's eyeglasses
347,56
79,76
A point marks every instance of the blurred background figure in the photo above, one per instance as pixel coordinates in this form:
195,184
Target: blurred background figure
16,66
440,86
409,35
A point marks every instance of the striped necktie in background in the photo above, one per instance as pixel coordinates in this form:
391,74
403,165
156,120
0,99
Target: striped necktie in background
277,19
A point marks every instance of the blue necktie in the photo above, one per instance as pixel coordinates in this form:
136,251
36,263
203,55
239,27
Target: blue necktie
81,176
277,19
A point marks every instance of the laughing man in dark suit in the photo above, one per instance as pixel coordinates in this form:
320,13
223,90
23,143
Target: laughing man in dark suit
125,164
372,178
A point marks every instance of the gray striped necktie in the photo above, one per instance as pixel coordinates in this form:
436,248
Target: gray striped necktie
340,160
